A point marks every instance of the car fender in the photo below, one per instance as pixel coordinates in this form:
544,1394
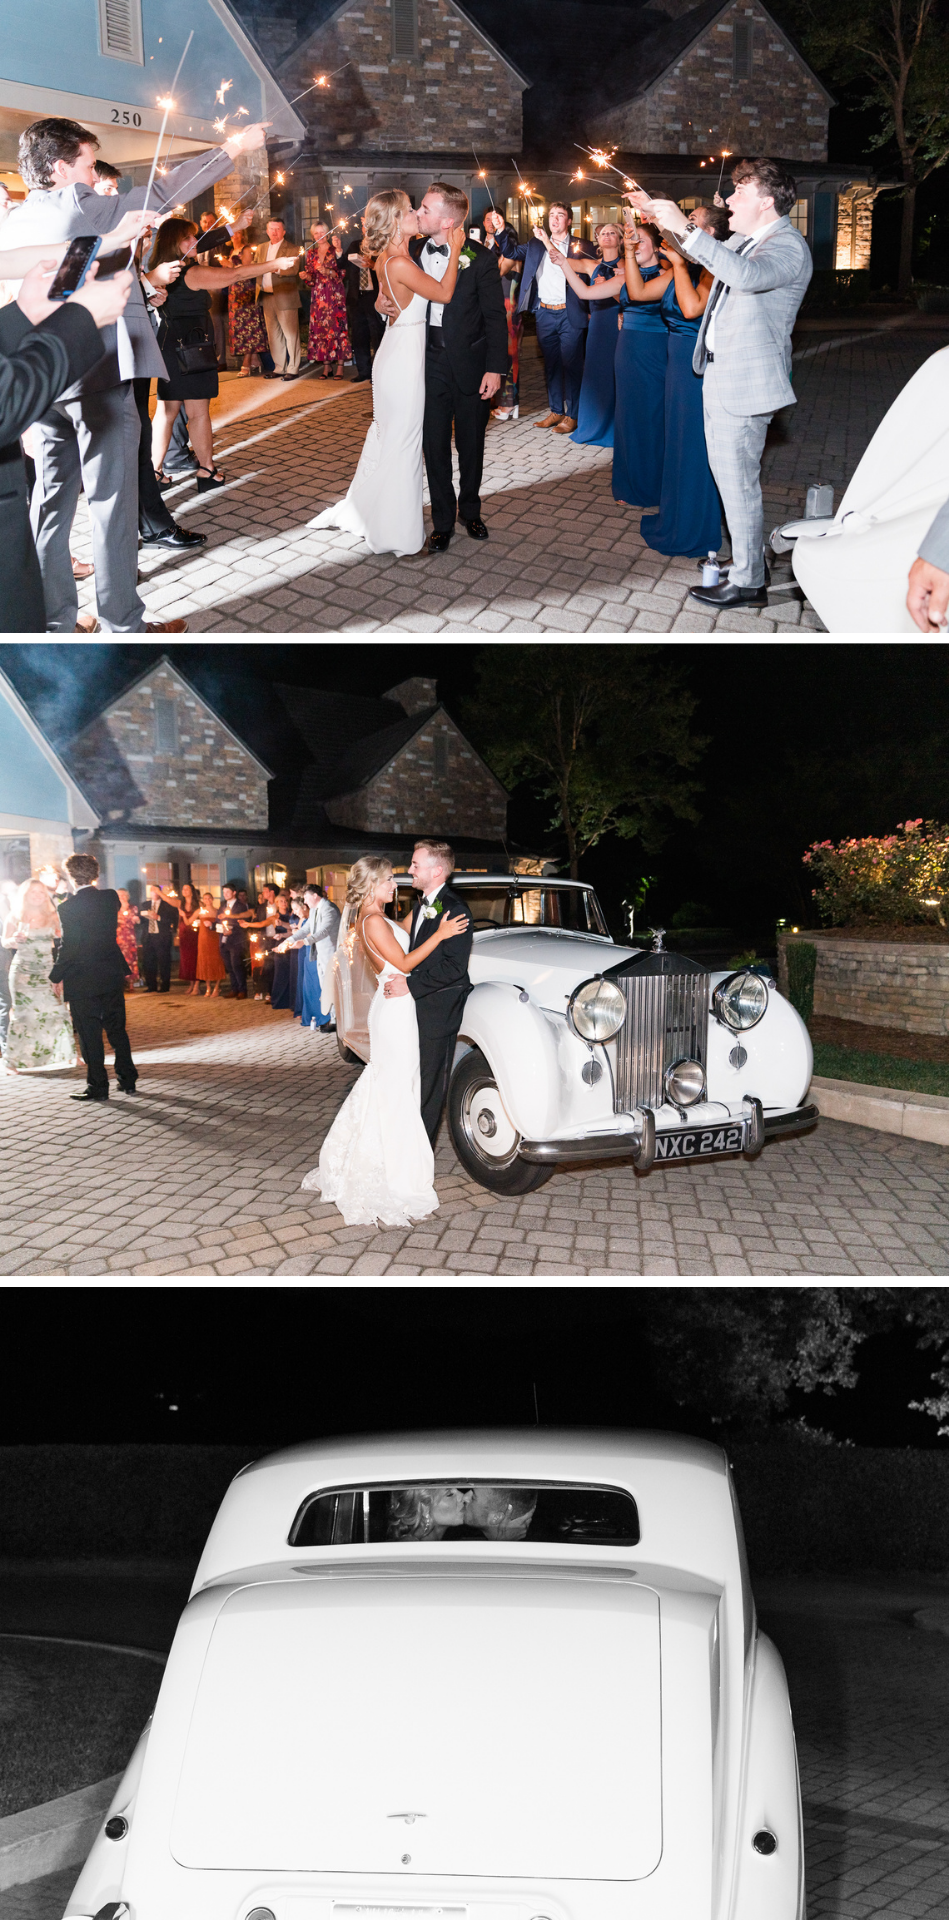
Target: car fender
520,1046
770,1883
101,1878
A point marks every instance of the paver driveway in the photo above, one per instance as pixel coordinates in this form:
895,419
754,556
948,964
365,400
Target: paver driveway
235,1101
563,555
867,1688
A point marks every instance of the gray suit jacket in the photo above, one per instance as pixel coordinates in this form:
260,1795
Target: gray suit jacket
754,321
62,213
935,545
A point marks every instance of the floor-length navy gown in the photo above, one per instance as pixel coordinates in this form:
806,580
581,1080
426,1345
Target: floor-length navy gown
595,413
689,521
639,378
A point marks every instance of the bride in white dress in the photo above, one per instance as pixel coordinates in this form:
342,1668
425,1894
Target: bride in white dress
384,503
376,1162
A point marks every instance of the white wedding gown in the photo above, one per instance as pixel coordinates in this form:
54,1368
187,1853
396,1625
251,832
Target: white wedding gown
384,503
376,1162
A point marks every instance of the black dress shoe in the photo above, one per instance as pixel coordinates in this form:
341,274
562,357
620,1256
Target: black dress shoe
730,596
359,379
476,529
131,1089
94,1099
724,566
184,470
438,542
174,537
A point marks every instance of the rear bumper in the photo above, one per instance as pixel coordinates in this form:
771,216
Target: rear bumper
627,1146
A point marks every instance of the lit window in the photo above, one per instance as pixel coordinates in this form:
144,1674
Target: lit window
799,216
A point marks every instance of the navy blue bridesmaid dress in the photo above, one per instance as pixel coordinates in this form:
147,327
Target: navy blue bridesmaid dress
595,414
689,521
639,379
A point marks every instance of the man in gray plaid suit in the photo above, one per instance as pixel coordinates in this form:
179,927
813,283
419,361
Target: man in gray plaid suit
744,350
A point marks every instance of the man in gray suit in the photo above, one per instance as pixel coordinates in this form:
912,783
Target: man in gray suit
90,437
744,350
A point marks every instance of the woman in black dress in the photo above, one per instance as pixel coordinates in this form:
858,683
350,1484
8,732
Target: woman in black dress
186,334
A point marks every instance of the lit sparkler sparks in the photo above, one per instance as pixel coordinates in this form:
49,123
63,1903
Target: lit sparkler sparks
241,110
726,151
219,125
322,80
224,88
483,176
167,104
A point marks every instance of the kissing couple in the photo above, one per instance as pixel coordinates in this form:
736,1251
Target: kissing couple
376,1163
442,358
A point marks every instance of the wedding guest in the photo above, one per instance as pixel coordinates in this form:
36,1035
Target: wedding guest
247,334
210,969
328,338
744,350
125,935
188,935
315,941
233,921
91,966
157,527
266,938
560,316
7,893
501,239
640,373
280,298
41,1031
365,326
689,521
299,914
161,926
185,332
283,988
595,420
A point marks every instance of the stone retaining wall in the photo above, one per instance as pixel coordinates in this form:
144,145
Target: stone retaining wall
878,983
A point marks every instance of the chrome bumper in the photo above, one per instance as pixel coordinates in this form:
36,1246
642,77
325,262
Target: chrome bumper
756,1127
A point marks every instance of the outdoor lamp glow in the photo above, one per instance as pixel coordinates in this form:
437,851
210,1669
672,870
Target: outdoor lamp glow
740,1001
596,1010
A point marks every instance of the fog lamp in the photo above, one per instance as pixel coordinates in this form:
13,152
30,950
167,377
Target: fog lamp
684,1082
740,1001
596,1010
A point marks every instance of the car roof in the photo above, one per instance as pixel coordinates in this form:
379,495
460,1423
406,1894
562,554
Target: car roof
534,881
681,1486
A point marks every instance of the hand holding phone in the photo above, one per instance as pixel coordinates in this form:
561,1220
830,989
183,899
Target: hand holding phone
75,265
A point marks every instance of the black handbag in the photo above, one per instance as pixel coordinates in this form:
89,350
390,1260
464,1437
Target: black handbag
197,354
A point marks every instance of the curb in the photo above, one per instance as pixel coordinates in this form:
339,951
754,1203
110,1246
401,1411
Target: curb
57,1834
917,1116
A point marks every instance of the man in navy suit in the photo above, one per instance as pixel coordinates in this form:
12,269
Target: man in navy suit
561,318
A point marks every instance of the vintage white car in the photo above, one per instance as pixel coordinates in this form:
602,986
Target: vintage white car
465,1676
573,1048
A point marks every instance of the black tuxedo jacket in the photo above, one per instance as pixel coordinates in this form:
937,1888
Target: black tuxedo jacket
474,322
90,959
446,970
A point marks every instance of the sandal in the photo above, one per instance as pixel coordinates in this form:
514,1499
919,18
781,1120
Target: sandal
163,479
338,374
212,479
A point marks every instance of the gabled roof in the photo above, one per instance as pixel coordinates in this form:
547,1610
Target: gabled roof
321,12
146,674
80,812
355,764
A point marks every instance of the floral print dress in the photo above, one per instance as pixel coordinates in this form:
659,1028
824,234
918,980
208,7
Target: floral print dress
329,337
41,1031
246,330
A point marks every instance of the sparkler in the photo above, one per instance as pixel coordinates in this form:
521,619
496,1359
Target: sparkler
224,88
725,156
322,80
602,160
167,103
483,176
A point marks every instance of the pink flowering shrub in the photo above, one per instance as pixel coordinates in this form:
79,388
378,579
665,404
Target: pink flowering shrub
900,878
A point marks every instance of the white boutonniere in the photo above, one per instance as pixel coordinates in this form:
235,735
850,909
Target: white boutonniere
432,912
465,260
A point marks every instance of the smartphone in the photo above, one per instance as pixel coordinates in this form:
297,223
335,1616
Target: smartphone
473,233
74,266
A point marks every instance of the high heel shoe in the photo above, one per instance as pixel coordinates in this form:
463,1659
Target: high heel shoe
163,479
211,480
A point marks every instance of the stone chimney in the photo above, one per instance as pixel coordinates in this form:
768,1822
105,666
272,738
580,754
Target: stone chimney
414,696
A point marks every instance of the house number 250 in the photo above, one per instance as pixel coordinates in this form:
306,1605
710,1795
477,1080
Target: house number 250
124,117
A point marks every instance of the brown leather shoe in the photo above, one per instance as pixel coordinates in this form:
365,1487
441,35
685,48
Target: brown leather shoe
166,626
567,425
81,568
86,623
550,420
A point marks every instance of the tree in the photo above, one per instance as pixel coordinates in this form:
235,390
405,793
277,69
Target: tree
602,732
898,49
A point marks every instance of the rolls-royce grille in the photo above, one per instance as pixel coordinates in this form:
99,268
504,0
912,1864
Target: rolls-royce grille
666,1020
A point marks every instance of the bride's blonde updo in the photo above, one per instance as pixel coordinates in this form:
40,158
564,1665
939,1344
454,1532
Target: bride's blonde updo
367,874
383,215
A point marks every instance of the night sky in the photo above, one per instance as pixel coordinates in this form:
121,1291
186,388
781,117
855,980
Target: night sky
807,741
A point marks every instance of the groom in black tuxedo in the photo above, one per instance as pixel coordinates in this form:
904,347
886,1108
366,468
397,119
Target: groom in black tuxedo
466,361
440,986
92,967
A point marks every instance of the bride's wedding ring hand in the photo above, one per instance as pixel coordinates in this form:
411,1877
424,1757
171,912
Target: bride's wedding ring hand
452,926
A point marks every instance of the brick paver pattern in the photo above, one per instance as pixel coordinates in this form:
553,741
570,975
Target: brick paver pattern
867,1690
563,555
235,1100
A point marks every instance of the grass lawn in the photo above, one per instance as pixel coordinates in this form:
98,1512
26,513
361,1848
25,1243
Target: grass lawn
880,1069
68,1716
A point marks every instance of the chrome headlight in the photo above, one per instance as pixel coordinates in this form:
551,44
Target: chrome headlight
596,1010
740,1001
684,1082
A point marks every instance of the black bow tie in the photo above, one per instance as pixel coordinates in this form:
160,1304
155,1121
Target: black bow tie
432,248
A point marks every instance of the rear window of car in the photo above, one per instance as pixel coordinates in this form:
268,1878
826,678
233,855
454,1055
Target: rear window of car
469,1511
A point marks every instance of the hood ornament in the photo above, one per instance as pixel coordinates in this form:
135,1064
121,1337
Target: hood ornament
409,1818
658,933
